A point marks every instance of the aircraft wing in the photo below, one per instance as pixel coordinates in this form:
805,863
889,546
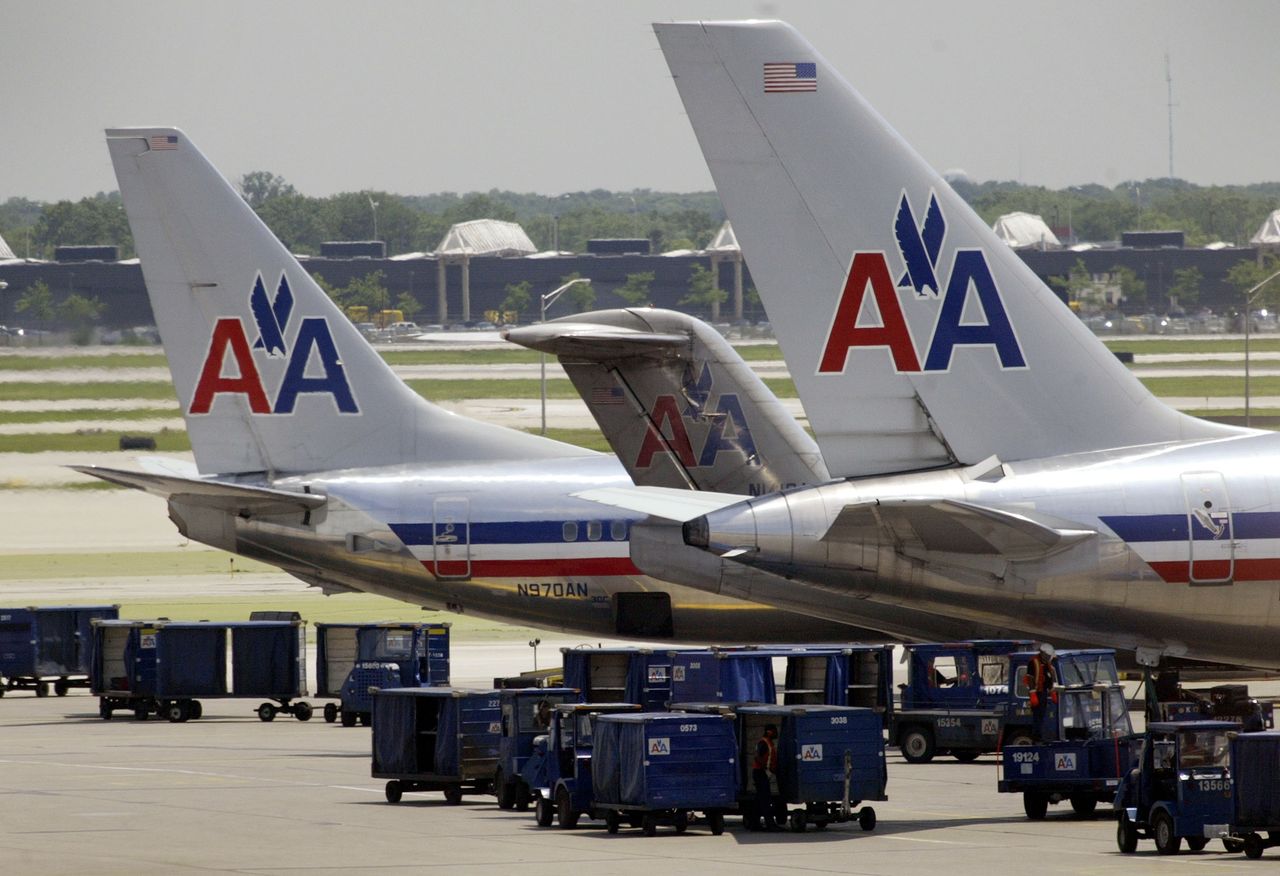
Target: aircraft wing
595,342
930,525
669,503
232,498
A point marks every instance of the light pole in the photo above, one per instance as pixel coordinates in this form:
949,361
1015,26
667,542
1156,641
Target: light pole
373,208
1248,318
544,302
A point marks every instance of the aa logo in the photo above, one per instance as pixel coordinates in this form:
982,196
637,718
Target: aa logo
495,726
312,365
660,747
677,673
811,753
971,312
990,726
673,418
1065,763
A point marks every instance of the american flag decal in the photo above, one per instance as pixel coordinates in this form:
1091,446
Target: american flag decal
790,77
606,395
161,142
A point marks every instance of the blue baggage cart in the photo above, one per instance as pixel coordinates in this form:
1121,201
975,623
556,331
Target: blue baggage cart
723,676
436,739
526,715
1083,764
564,794
842,675
620,675
166,667
351,658
830,760
659,767
1255,767
42,643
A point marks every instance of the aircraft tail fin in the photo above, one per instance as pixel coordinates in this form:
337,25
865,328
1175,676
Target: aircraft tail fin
677,403
916,338
270,375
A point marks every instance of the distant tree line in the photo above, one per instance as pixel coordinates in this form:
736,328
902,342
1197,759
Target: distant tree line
668,220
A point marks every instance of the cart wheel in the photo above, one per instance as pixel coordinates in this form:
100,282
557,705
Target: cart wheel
42,688
649,824
104,710
1084,805
1197,843
504,791
302,711
266,712
715,821
176,712
544,812
523,797
681,821
867,818
60,687
197,710
140,713
1167,840
1253,846
917,745
1035,804
1234,846
365,719
1126,835
453,796
393,791
612,821
348,718
1021,737
798,821
330,712
966,755
566,817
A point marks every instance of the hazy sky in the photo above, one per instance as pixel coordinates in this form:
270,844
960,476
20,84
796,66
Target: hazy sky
565,95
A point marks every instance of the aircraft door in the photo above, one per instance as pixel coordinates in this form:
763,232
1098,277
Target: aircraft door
451,538
1211,535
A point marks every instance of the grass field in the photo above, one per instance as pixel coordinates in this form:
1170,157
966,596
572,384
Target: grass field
1149,344
23,390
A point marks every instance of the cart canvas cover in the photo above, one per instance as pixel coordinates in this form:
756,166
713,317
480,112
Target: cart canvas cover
665,760
729,677
1255,766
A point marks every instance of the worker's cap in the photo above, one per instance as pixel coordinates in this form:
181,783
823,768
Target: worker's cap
1046,649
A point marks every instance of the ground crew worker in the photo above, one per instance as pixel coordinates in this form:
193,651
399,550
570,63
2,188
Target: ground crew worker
1039,681
763,767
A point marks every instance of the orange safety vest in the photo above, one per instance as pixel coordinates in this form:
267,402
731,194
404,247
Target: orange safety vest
1039,675
770,760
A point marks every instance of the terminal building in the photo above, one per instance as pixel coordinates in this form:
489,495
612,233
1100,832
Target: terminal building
467,275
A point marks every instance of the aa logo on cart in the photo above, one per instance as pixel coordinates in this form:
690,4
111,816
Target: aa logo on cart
660,746
147,642
495,726
1065,763
657,673
811,753
677,673
990,726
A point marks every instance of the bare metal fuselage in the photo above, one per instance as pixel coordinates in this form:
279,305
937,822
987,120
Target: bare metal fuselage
1185,561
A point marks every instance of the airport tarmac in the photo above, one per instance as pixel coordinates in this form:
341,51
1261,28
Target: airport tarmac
228,793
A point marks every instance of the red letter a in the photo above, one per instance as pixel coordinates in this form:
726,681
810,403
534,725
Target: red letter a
228,332
868,268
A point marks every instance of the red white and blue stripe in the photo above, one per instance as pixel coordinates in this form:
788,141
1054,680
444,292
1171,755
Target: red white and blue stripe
1181,548
517,549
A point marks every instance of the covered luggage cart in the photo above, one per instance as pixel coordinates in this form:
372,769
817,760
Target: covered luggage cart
842,675
659,767
42,643
351,658
436,739
166,667
724,676
620,675
830,760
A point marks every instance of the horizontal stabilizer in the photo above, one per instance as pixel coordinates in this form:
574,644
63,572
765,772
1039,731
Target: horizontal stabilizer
950,526
232,498
594,342
670,503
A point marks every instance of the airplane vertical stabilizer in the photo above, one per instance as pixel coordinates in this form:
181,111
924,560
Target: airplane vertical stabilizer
677,403
270,375
915,337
